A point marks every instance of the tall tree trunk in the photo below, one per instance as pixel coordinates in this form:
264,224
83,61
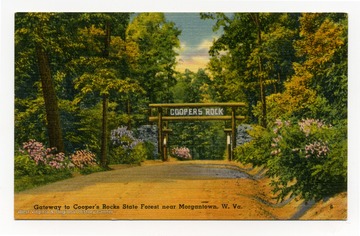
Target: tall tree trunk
51,102
263,96
255,17
129,112
104,132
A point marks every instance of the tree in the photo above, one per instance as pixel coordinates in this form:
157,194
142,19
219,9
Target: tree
318,87
105,68
35,38
192,87
253,56
305,150
323,47
156,40
103,81
44,45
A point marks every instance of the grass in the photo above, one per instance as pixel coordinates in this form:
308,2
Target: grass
28,182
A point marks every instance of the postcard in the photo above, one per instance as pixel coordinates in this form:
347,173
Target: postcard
181,116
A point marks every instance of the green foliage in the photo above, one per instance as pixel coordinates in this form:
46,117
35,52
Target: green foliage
156,40
326,60
28,182
37,165
193,87
28,174
29,113
306,149
91,169
149,149
334,169
24,166
204,139
253,57
318,87
121,155
257,151
139,154
304,158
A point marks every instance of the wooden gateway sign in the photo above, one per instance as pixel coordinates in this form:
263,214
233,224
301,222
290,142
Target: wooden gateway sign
194,112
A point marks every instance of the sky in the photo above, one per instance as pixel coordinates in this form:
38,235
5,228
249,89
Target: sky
195,39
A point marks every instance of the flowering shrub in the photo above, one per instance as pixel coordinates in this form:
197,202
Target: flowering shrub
317,149
182,153
44,156
306,158
36,159
124,138
308,126
36,165
304,138
257,150
126,148
83,158
148,133
242,135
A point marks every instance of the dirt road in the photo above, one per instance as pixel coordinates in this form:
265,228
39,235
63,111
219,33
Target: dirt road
170,190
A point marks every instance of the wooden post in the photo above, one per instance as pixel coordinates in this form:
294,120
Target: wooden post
160,138
233,132
228,143
166,132
166,138
165,148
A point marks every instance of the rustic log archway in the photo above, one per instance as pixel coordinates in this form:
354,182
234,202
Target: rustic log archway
166,112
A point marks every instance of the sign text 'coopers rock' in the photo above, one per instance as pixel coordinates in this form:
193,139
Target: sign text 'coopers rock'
218,111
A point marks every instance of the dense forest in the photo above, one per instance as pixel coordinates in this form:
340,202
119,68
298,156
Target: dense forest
83,83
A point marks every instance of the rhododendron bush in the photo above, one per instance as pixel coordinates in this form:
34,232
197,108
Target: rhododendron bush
36,164
83,158
126,148
182,153
306,158
50,158
45,159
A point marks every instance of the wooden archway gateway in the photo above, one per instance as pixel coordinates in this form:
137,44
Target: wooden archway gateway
166,112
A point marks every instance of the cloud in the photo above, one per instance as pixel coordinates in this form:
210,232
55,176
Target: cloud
194,57
183,47
205,45
192,63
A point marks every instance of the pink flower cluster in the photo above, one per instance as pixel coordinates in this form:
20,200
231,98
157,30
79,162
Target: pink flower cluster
279,124
44,156
318,149
307,125
58,161
181,153
83,158
275,152
275,143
